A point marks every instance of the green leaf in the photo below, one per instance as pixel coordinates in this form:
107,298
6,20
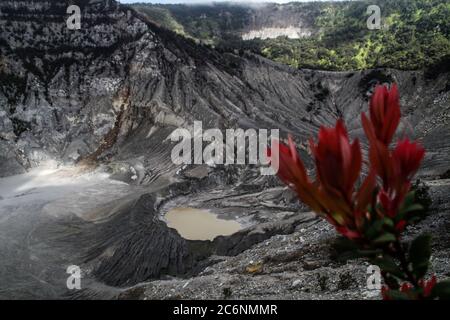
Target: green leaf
391,281
367,253
407,212
388,222
398,295
409,199
414,219
419,255
412,208
385,238
388,264
346,249
375,229
343,244
441,290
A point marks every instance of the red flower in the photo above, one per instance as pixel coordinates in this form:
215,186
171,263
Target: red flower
292,172
338,163
390,205
408,289
385,293
407,157
359,214
400,226
385,114
428,286
338,166
397,168
349,234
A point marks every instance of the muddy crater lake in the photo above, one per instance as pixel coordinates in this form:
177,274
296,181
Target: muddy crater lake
199,224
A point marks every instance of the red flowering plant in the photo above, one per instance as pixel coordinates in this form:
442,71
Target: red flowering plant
371,213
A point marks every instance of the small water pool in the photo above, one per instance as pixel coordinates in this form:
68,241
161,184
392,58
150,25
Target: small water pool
198,224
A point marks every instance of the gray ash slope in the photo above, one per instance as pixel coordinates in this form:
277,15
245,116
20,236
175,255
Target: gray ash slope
110,94
65,92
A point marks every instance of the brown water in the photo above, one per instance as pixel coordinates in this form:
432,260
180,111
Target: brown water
197,224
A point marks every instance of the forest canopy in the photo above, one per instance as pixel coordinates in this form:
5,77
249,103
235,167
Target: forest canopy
414,34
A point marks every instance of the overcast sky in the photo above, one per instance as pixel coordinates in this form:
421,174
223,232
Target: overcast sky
209,1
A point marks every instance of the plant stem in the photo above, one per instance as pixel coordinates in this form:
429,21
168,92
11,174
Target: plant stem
401,256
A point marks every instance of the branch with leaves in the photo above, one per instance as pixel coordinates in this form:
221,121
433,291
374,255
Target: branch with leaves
372,215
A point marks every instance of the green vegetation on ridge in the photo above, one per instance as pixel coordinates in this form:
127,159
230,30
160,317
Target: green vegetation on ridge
414,34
